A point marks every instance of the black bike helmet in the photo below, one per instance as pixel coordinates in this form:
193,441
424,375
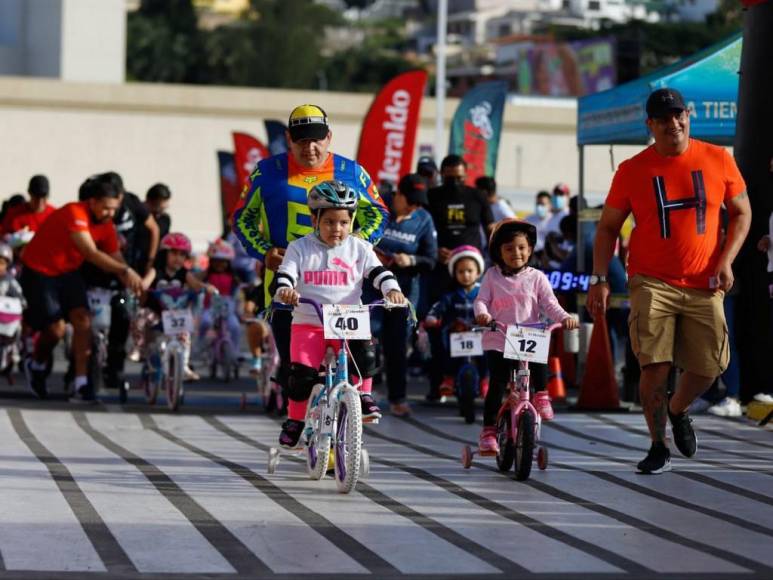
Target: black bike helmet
504,231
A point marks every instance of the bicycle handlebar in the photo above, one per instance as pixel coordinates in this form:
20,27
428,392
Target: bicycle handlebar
318,307
502,327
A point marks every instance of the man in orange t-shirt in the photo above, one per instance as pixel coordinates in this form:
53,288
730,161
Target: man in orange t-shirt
54,287
679,268
32,213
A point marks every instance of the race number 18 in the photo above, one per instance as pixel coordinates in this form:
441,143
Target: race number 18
466,344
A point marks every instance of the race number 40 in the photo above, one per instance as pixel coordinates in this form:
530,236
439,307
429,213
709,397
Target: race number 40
177,321
466,344
527,344
346,321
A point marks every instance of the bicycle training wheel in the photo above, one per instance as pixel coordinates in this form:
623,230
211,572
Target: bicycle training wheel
348,441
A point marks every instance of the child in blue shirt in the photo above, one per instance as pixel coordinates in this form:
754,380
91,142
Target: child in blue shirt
454,311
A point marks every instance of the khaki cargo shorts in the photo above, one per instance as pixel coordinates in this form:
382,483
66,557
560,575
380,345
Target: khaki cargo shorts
683,326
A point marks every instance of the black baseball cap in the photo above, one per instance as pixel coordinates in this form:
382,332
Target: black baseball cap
308,122
414,187
426,162
664,101
38,186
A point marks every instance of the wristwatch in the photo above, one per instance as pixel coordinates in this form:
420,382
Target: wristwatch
597,279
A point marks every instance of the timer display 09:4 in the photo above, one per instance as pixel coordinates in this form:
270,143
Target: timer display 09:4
568,281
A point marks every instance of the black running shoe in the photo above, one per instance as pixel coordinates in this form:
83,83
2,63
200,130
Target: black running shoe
658,460
84,396
291,433
684,435
36,380
370,410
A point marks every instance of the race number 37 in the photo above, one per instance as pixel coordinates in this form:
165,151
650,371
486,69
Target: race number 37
177,321
346,321
527,344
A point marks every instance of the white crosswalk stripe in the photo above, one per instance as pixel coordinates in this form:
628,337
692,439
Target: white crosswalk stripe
184,494
38,530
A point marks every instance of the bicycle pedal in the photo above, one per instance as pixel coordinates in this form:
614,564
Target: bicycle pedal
371,420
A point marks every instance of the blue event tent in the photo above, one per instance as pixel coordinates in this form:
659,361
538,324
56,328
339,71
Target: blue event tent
708,81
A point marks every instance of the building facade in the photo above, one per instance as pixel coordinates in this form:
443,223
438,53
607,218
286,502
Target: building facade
72,40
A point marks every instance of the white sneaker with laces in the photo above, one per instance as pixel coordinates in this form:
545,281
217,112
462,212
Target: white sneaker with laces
727,407
764,398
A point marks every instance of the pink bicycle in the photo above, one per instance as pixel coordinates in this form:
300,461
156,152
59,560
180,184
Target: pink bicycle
518,422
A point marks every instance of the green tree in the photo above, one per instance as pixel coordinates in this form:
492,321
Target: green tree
369,66
276,44
163,42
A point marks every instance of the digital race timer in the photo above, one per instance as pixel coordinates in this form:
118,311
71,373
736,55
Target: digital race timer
568,281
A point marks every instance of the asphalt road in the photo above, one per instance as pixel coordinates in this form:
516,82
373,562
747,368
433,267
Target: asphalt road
105,491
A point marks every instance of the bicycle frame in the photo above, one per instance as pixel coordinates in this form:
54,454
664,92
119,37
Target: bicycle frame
336,380
518,400
519,393
221,310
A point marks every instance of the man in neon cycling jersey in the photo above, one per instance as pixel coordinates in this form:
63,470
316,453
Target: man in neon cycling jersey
273,210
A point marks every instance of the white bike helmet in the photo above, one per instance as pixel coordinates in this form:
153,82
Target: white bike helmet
470,252
333,194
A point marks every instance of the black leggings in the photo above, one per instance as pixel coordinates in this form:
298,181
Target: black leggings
501,369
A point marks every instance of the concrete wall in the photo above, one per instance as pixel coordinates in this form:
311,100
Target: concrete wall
167,133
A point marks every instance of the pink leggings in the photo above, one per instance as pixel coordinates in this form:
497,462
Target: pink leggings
307,347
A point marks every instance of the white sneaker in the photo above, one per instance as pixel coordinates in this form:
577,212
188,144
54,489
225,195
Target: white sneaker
764,398
698,406
727,407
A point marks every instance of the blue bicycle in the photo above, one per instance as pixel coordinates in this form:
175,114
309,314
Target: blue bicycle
333,425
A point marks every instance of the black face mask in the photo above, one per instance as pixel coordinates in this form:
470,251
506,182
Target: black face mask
453,182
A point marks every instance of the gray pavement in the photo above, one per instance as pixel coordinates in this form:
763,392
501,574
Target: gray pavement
106,491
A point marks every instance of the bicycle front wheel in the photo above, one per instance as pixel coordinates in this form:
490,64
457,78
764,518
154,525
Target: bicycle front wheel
524,446
151,378
227,358
466,384
348,440
174,379
318,445
506,453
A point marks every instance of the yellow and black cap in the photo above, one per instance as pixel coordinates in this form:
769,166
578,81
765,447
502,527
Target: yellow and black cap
308,122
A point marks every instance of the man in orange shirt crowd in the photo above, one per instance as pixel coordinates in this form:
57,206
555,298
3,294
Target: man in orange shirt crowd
32,213
679,269
54,287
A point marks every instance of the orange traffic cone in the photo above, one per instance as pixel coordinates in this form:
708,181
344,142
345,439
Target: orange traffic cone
598,391
556,387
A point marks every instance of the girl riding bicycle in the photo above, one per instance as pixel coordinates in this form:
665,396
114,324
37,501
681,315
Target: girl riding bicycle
329,266
175,248
221,276
512,293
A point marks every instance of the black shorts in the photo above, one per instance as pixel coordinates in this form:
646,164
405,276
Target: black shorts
255,295
51,298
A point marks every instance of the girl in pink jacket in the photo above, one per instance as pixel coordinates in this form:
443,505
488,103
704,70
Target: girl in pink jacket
512,292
